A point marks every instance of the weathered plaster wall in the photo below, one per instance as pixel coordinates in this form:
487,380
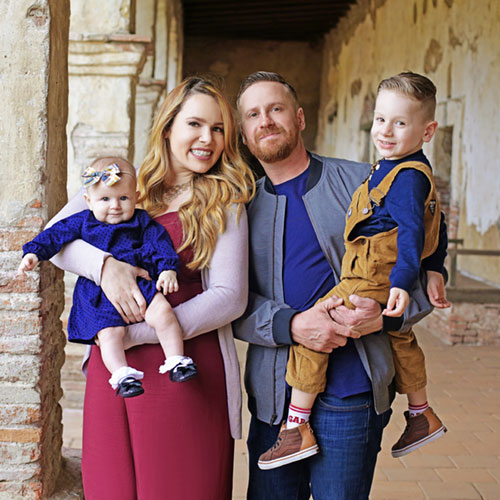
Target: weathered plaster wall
298,62
456,44
33,92
115,16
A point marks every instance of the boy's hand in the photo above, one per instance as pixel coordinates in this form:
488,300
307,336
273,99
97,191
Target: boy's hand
436,291
167,282
397,303
30,260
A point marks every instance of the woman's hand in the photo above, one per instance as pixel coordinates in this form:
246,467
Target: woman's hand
119,284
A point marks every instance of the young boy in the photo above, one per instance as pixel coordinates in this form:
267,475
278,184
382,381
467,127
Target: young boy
392,228
113,224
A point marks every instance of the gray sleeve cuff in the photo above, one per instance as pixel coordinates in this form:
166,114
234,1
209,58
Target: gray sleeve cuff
281,326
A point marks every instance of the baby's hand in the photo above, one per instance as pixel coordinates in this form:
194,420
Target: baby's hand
436,291
30,260
167,282
397,303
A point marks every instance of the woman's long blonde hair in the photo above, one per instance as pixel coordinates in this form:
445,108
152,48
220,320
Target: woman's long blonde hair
229,181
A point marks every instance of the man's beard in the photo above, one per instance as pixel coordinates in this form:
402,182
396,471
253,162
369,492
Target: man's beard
276,150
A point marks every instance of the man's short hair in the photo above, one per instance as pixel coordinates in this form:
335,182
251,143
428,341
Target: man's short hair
265,76
413,85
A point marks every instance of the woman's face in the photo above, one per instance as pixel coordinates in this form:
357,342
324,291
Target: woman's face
196,137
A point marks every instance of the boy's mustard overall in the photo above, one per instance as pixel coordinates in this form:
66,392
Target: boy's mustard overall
366,267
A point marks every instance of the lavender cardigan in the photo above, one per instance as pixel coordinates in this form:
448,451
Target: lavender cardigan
225,285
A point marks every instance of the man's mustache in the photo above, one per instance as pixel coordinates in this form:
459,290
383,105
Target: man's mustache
269,130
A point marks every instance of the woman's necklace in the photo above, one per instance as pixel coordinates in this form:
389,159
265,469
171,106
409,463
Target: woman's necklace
173,191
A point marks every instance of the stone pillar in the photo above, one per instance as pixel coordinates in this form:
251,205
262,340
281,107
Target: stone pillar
103,73
33,92
150,87
105,59
162,21
148,96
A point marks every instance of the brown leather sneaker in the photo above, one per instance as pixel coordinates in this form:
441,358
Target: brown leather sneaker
291,445
420,430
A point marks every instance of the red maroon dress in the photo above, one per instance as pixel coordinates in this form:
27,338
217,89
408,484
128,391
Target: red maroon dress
172,442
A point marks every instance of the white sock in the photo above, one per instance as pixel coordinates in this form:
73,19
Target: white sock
173,361
297,416
123,372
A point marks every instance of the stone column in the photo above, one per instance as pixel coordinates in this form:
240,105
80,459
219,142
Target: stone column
152,78
162,21
33,92
105,59
148,96
103,74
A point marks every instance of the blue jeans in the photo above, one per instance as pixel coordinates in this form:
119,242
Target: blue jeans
348,432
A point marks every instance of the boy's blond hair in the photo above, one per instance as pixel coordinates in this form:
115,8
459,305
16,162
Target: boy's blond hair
413,85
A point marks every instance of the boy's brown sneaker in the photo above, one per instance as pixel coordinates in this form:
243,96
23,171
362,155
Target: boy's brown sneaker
420,430
291,445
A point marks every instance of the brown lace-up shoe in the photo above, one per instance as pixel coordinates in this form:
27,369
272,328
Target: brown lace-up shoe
291,445
420,430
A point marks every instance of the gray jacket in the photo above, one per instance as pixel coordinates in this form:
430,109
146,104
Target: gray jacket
266,322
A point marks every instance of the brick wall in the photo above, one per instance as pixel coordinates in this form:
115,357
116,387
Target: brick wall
33,54
466,323
31,355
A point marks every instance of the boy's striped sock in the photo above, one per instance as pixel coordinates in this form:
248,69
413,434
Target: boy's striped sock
415,410
297,416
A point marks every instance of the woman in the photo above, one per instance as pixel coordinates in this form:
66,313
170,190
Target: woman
176,440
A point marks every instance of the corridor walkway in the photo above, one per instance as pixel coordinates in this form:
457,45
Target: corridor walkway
464,389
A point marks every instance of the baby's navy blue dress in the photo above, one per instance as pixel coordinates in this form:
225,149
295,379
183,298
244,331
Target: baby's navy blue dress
139,241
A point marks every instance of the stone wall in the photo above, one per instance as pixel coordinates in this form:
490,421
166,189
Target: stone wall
232,60
456,44
33,92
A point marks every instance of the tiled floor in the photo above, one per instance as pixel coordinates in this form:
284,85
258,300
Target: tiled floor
464,389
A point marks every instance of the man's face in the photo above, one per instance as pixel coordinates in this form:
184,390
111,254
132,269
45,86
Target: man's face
270,121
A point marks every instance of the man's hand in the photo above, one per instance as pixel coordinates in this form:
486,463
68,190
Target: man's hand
364,319
119,284
315,329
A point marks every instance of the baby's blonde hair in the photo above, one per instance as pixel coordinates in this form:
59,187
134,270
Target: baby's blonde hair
105,161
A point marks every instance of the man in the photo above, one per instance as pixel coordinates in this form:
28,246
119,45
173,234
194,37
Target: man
296,223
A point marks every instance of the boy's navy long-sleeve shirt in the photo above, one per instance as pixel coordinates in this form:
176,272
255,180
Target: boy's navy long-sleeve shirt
404,207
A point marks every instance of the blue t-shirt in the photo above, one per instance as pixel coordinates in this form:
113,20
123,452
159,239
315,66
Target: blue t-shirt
307,277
